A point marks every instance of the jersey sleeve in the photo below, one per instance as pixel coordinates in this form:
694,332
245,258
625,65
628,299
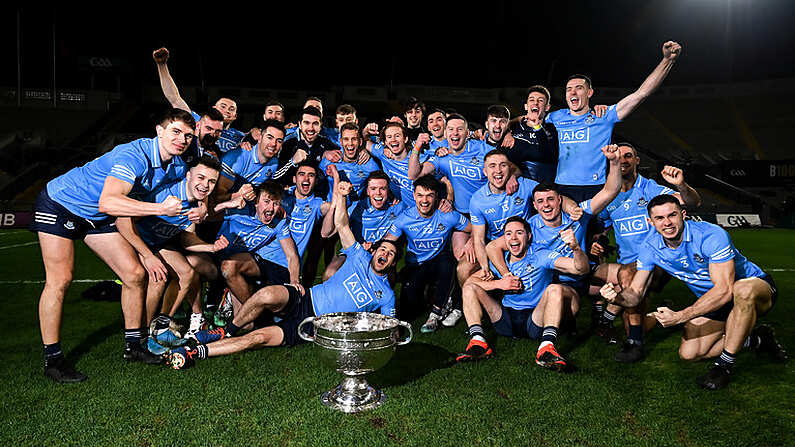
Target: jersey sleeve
461,222
645,259
612,114
283,229
655,189
230,164
396,229
388,306
717,247
377,151
475,211
354,250
547,258
128,166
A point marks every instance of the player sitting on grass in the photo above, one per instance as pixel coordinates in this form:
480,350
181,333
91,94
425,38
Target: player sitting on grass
523,303
360,285
732,291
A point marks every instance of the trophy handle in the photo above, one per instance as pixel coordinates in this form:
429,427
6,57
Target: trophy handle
411,333
306,337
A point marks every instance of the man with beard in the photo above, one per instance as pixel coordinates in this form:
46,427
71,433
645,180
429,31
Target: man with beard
229,138
292,304
732,291
260,245
370,217
581,134
208,130
628,216
524,303
166,237
83,204
430,260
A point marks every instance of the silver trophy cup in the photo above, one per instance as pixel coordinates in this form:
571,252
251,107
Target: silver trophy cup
355,344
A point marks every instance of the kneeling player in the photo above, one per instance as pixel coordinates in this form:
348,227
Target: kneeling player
360,285
531,306
732,291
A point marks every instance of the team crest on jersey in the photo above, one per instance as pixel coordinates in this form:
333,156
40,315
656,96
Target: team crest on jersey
360,174
307,209
698,257
642,203
440,227
518,201
268,172
391,216
69,225
529,268
378,294
589,119
474,161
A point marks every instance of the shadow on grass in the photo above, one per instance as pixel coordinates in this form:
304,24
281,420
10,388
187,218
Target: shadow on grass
95,338
411,362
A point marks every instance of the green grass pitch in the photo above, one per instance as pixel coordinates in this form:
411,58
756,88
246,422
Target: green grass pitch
271,397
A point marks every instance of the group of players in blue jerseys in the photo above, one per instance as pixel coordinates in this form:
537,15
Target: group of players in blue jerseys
509,222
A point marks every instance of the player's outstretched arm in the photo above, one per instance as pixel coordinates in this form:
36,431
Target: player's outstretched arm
328,229
631,296
293,260
612,184
167,84
341,215
479,243
671,51
722,276
193,243
688,196
114,202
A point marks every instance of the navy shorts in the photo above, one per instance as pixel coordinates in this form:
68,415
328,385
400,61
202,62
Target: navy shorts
579,193
270,273
51,217
517,323
722,314
297,309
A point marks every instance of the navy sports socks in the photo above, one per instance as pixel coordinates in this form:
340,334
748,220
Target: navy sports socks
635,334
726,359
162,321
52,352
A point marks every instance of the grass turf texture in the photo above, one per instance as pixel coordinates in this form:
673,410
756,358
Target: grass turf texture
271,397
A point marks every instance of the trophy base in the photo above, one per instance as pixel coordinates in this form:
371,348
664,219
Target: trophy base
353,395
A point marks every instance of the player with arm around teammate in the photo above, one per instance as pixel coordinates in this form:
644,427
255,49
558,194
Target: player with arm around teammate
361,285
732,292
524,303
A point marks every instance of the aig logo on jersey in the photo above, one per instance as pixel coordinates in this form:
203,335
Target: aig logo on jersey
428,244
360,296
464,170
628,226
575,136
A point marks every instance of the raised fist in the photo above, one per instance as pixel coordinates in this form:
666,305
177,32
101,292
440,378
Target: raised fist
673,175
172,206
611,152
671,50
160,55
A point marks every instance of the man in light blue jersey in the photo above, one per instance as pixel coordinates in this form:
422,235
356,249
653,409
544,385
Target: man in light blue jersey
260,245
551,220
732,292
173,240
361,285
430,259
305,210
245,170
628,216
436,124
82,204
524,303
370,217
581,134
229,138
349,167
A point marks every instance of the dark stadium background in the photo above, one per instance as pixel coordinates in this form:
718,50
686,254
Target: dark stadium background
88,81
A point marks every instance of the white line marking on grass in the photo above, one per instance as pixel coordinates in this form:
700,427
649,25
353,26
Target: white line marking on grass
41,281
779,270
11,232
20,245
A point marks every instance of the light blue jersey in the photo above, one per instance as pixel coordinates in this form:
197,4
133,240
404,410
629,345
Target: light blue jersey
465,171
355,287
549,237
398,172
427,237
242,166
156,230
304,214
702,244
434,144
370,224
137,163
492,210
246,233
627,214
581,138
351,172
535,270
230,138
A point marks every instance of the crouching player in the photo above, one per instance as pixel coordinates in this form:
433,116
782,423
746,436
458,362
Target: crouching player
159,241
732,291
524,303
360,285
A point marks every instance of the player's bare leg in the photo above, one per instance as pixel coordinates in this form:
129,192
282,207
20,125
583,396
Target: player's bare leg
235,270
